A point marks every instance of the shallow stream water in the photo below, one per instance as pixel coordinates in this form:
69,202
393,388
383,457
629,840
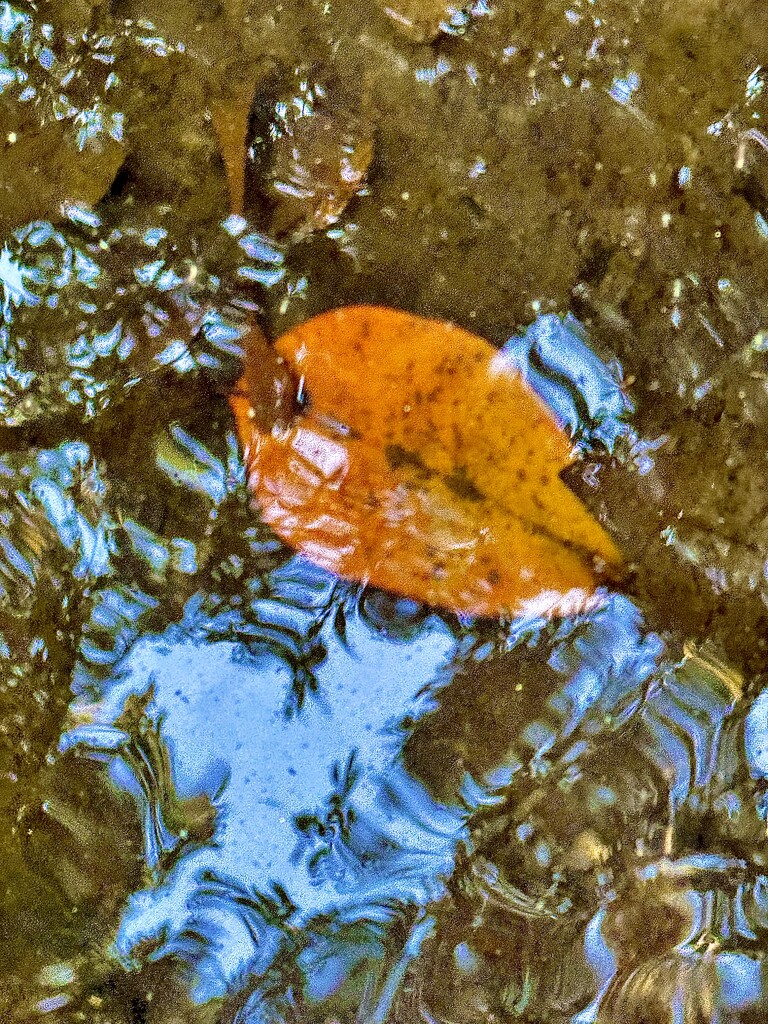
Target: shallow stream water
234,788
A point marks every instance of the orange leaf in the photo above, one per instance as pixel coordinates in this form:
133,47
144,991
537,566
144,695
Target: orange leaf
426,466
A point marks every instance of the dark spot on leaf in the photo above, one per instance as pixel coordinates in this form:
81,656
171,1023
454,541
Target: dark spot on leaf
461,485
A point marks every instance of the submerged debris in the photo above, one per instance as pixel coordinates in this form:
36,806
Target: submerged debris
421,21
311,149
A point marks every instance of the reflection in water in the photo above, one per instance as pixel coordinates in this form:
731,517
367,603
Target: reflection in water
72,342
564,878
224,772
314,807
350,807
553,355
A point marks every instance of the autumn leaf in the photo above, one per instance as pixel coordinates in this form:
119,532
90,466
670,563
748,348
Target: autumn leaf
426,466
229,116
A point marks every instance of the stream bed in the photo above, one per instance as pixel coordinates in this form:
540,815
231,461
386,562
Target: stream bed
236,789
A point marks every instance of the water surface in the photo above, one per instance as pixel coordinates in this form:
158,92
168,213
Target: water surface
234,788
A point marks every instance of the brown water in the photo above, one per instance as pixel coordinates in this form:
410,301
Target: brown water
234,788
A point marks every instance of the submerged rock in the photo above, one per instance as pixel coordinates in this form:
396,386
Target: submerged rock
311,150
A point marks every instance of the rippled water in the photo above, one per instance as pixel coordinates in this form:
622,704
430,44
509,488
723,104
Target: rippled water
234,788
